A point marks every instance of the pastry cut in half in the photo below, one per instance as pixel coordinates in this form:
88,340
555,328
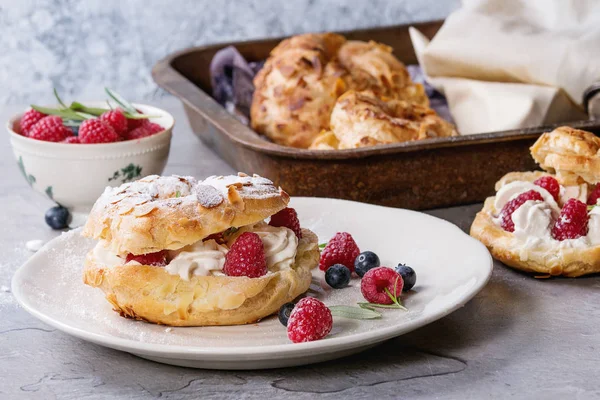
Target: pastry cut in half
548,222
166,250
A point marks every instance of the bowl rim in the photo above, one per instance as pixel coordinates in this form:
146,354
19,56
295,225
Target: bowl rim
24,139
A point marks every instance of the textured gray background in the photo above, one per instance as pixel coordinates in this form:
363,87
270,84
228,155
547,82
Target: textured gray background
81,46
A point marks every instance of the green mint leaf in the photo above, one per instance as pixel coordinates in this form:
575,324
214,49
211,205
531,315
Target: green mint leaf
354,312
372,306
178,194
127,107
63,113
59,99
322,246
590,208
76,106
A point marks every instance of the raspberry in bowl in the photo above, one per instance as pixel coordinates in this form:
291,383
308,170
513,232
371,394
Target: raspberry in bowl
73,170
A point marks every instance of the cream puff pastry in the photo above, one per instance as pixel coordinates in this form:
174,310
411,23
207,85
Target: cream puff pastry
547,222
192,225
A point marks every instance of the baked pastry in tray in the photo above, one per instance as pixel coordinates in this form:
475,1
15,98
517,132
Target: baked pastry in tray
548,222
164,244
297,89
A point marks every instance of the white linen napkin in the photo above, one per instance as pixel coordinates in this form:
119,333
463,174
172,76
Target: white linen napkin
508,64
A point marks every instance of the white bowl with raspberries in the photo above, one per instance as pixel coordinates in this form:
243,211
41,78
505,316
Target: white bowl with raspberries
74,170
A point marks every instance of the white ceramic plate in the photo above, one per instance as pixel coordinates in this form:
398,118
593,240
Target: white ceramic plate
451,268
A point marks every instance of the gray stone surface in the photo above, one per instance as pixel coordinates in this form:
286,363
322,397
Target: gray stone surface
519,338
80,46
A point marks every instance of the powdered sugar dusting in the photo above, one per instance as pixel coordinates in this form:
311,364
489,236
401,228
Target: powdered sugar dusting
254,187
208,196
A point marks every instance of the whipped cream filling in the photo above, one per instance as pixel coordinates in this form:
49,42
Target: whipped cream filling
533,220
205,258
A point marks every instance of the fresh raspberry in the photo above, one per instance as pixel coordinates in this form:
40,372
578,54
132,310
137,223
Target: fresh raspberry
509,208
572,221
376,280
136,123
341,249
72,139
147,129
310,320
117,120
96,131
50,129
158,259
29,119
594,196
550,184
288,218
246,257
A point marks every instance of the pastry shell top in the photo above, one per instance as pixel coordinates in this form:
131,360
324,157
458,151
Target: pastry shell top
169,212
572,154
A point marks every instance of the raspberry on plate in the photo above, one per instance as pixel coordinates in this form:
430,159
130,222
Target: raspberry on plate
117,120
288,218
246,257
158,259
96,131
594,196
50,129
29,119
341,249
572,221
376,280
310,320
550,184
509,208
145,130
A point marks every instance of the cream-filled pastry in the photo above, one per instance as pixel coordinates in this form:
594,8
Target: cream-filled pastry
181,252
547,222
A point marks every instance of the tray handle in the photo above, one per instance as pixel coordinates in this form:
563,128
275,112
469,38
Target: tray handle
591,101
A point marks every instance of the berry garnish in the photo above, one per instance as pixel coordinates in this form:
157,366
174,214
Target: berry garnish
572,221
29,119
509,208
365,261
58,217
594,196
309,320
288,218
246,257
550,184
116,119
341,249
409,276
135,123
381,285
50,129
96,131
158,259
72,139
337,276
145,130
284,313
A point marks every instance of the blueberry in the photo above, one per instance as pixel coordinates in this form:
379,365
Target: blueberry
337,276
284,313
408,276
365,261
58,217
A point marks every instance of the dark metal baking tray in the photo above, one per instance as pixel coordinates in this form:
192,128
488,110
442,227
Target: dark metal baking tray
418,175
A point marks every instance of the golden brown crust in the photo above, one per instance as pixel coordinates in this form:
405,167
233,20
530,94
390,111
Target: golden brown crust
544,259
151,294
296,90
572,154
362,119
158,213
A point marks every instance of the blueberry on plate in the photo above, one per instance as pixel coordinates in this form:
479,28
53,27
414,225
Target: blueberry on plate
409,276
365,261
284,313
58,217
337,276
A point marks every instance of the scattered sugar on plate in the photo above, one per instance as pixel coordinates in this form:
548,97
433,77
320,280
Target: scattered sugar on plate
35,245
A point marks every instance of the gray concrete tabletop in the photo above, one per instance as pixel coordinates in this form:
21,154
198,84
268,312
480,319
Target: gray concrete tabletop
520,337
